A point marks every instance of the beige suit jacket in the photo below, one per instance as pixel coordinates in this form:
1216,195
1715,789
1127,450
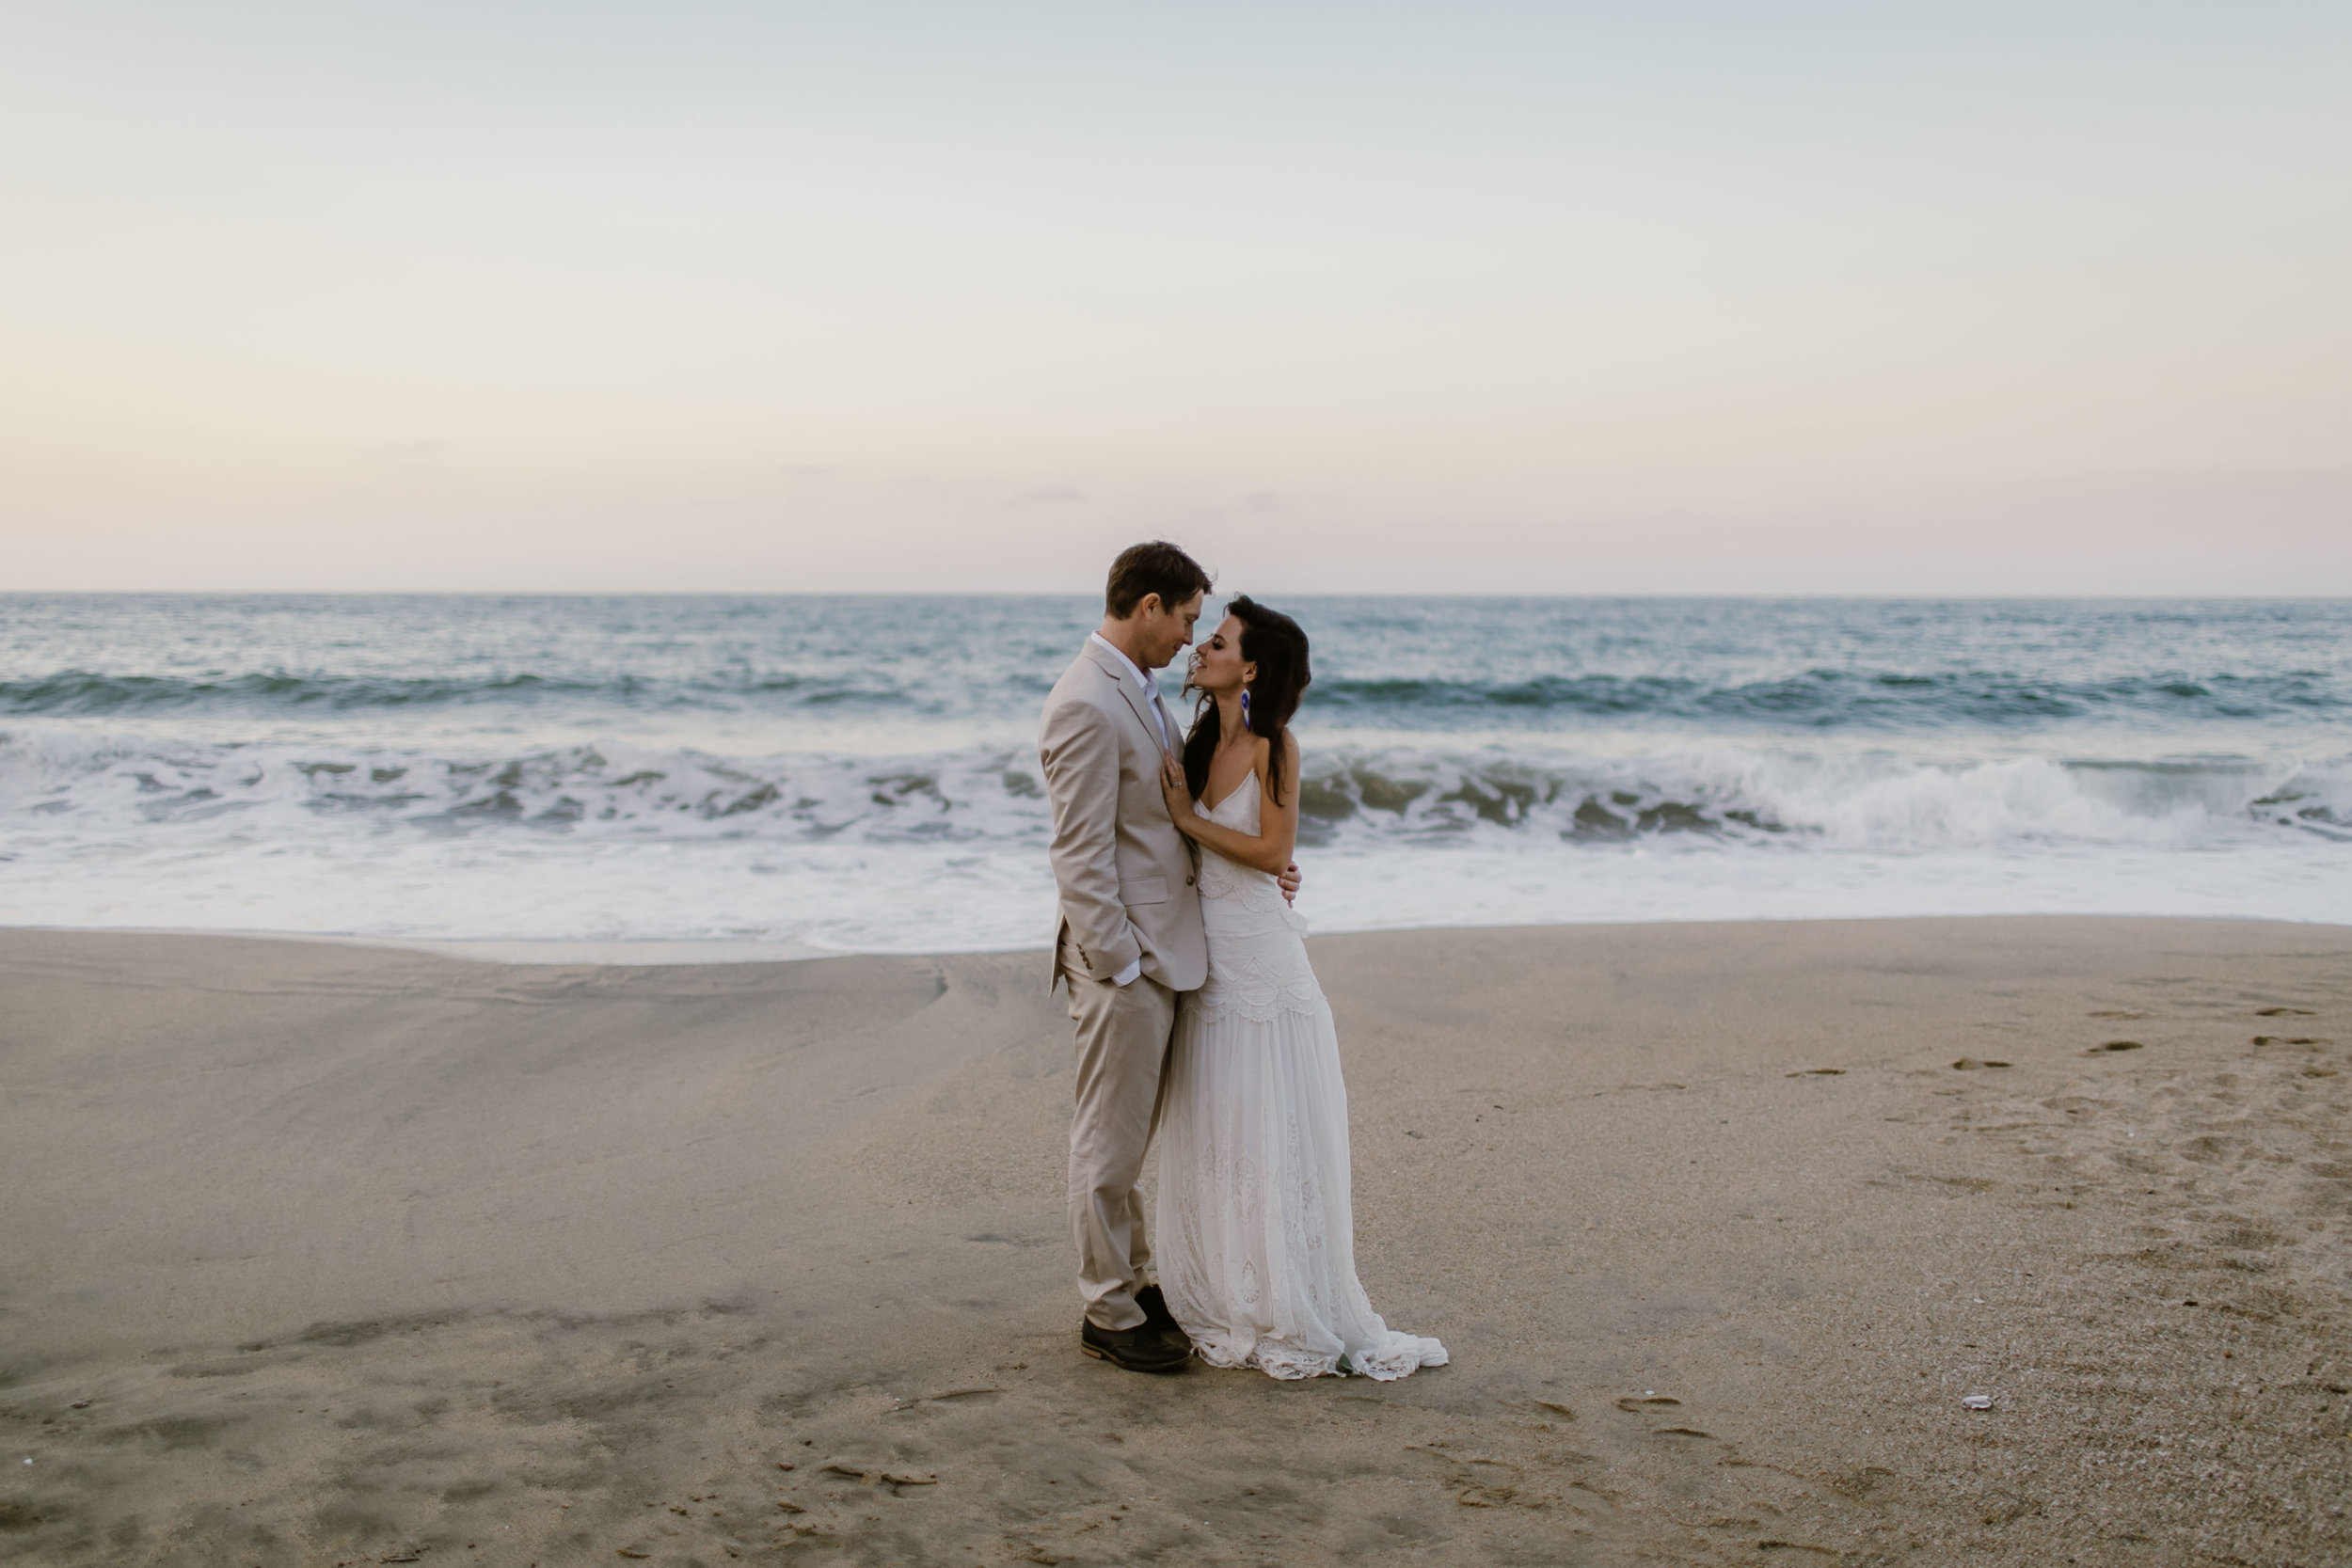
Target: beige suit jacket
1127,877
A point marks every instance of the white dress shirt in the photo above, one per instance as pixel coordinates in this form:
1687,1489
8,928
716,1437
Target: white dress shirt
1159,721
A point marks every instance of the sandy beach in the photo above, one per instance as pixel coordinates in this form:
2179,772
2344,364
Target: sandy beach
325,1253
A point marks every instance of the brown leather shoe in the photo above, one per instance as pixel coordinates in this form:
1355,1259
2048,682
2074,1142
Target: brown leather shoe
1157,1315
1140,1348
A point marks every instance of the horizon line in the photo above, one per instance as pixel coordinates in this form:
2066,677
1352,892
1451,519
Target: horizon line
1824,597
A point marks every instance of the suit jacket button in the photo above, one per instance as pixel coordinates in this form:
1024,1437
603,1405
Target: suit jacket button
1188,881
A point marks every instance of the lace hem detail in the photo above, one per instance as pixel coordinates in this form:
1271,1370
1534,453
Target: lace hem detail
1406,1353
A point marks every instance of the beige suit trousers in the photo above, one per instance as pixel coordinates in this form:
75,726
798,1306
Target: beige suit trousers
1123,1036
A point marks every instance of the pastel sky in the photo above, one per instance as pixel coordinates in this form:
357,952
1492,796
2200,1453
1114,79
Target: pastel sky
1412,297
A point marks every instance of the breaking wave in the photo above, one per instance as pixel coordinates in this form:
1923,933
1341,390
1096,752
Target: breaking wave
991,794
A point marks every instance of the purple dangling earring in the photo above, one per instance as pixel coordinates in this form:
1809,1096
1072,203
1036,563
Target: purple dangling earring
1244,707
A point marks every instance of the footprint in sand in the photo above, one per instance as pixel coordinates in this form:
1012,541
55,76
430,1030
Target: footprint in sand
2115,1045
2284,1012
1970,1064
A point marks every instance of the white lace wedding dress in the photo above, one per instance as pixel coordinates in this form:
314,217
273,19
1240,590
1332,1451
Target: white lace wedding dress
1255,1242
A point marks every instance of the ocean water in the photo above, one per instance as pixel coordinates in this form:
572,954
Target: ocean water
860,773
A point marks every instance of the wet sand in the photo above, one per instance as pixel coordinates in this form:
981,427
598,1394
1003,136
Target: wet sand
321,1254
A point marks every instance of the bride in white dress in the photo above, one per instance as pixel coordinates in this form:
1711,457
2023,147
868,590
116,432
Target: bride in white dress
1252,1229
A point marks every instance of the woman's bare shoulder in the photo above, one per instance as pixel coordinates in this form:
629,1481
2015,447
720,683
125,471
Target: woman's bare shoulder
1262,755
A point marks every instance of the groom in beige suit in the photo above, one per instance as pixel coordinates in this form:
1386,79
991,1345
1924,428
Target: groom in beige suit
1130,939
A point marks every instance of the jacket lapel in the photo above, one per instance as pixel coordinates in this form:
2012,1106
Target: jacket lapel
1136,698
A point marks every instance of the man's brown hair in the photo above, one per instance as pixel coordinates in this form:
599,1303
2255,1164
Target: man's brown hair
1158,567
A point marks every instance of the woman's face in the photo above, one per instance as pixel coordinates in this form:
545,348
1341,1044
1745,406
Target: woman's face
1216,662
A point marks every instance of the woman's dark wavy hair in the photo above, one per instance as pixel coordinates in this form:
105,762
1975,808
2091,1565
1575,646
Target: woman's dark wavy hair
1272,642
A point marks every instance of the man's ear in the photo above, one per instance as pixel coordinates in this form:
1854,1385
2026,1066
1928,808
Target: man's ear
1147,604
